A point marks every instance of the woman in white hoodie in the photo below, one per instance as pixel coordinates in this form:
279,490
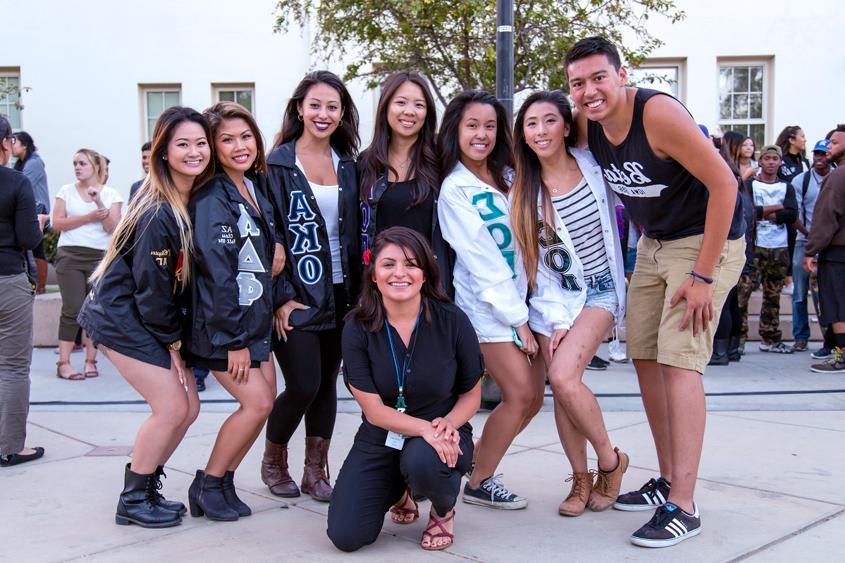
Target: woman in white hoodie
573,262
490,283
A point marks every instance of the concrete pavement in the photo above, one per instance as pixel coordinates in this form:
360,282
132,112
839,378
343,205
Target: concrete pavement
770,485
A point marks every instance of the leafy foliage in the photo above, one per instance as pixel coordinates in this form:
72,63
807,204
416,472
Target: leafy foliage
453,42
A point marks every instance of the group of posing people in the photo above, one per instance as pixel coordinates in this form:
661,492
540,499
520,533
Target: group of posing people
426,260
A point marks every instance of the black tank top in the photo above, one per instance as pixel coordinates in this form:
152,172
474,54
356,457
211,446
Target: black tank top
659,194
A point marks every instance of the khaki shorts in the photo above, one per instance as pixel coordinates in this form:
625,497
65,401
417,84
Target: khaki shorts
653,327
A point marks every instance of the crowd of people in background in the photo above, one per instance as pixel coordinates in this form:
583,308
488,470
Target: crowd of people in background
423,264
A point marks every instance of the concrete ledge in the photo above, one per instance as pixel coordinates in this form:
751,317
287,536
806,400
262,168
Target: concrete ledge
45,326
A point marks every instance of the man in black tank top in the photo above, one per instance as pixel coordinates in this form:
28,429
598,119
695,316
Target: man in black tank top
684,196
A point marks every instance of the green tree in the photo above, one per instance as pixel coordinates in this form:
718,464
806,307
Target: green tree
453,42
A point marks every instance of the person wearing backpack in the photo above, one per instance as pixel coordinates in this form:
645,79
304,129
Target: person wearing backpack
806,187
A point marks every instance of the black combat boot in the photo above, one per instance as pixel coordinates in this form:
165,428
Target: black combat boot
137,504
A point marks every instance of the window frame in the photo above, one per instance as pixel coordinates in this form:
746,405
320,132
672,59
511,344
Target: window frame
219,87
15,73
143,91
679,63
767,64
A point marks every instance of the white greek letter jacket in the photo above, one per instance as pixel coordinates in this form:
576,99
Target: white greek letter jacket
490,282
561,292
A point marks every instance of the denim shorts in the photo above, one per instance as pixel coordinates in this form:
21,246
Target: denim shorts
601,292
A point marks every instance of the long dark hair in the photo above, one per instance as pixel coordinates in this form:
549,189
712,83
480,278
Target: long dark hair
158,190
369,311
448,145
528,184
789,132
424,166
345,139
26,140
731,150
222,111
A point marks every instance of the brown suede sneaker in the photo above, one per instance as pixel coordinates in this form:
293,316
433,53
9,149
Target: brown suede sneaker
608,484
576,502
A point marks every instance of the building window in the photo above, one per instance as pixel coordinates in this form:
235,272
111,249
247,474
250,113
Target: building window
663,75
10,107
742,99
243,94
155,100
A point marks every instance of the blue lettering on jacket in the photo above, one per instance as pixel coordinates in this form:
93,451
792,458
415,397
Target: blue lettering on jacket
302,225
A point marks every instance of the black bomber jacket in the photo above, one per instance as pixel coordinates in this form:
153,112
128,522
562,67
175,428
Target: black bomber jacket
231,301
136,307
300,228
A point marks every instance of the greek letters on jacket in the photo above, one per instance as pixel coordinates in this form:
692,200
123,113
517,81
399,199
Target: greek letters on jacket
307,276
136,308
232,297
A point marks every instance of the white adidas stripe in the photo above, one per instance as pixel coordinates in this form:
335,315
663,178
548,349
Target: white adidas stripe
676,528
660,496
672,530
648,499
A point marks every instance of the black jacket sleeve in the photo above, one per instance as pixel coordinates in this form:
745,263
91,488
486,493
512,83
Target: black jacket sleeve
27,231
789,214
216,252
155,260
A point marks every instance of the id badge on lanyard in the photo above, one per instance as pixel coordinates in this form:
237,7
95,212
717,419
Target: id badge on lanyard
394,439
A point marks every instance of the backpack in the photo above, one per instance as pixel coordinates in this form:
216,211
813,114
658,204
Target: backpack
805,185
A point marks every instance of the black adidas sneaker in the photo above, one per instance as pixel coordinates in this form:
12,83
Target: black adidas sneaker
669,526
650,496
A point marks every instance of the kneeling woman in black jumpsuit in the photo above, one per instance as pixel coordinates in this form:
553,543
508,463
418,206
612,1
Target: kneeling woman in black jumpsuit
133,313
413,363
232,301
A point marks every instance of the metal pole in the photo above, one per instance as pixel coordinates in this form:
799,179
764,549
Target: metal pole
504,54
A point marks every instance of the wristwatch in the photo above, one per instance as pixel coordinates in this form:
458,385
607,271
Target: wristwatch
175,346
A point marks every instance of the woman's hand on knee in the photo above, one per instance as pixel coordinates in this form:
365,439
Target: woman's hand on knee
447,451
443,426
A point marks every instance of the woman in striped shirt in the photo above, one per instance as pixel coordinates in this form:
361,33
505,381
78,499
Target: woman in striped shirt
574,266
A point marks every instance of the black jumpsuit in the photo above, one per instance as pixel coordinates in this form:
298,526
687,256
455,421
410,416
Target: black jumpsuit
444,362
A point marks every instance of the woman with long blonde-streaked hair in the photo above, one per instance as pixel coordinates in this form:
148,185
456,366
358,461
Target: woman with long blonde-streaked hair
562,218
133,313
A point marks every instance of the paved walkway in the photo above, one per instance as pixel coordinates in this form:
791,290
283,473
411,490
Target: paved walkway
770,485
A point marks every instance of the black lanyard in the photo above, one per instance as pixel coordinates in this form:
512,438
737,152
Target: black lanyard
400,376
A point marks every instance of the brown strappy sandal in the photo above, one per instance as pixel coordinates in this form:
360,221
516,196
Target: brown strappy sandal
93,372
398,512
75,376
438,522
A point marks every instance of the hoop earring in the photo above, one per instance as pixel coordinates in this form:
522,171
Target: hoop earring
299,117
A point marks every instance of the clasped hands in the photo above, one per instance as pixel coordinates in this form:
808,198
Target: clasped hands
445,439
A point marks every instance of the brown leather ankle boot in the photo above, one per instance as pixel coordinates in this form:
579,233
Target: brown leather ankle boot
274,470
315,479
576,502
608,484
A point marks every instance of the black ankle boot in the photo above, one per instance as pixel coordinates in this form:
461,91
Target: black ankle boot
734,354
173,505
231,495
720,353
137,504
205,497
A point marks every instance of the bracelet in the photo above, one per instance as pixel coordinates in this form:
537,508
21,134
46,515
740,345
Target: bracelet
696,276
